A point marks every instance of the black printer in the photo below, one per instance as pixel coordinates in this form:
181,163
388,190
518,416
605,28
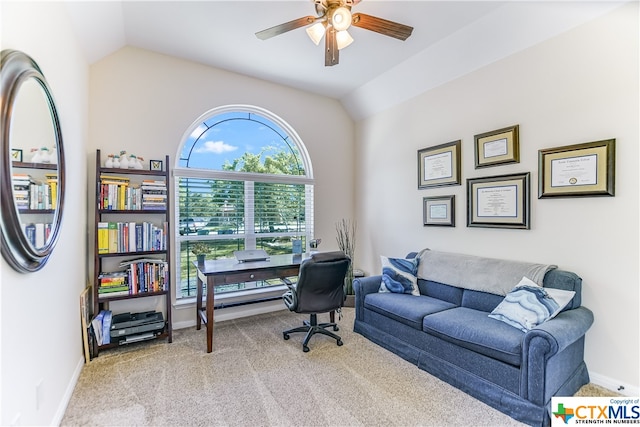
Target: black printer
131,327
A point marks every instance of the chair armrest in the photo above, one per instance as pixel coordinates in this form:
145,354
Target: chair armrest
361,287
290,297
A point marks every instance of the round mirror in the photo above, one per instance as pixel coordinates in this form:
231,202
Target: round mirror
32,168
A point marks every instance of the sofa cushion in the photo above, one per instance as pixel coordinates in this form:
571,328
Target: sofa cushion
528,305
405,308
441,291
475,330
399,275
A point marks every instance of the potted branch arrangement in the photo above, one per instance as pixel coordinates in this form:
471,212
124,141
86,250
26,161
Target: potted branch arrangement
346,238
200,250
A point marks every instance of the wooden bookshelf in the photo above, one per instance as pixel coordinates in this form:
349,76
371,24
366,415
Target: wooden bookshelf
139,232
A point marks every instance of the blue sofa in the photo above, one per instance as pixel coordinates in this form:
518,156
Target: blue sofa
447,332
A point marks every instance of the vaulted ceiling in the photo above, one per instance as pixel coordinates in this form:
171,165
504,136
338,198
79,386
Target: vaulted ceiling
450,39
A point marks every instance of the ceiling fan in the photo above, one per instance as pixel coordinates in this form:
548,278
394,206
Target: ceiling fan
333,20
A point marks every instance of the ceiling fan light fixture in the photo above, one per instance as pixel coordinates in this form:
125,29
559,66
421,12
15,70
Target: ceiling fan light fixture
343,39
316,31
341,18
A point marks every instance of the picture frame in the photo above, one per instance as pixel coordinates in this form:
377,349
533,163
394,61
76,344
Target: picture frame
16,155
439,211
156,165
497,147
579,170
439,165
85,321
499,201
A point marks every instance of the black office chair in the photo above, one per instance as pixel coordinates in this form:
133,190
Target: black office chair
320,289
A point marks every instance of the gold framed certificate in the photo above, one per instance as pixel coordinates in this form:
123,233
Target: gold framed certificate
439,165
499,201
439,210
580,170
497,147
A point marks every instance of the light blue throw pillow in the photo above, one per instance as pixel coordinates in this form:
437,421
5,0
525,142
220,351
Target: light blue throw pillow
399,275
529,305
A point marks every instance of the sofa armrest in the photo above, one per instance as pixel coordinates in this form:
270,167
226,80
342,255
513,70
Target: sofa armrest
361,287
562,330
548,353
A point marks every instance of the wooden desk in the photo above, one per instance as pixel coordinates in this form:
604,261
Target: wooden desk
225,271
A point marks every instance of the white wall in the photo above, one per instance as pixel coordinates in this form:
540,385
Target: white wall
143,102
579,87
40,338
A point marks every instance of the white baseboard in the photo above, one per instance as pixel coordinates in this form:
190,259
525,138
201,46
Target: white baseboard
231,313
614,385
66,398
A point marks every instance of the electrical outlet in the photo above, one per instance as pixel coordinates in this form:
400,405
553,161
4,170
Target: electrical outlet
39,394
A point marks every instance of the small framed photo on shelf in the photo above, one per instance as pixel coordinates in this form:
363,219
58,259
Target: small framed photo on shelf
155,165
499,201
579,170
439,210
497,147
439,165
16,155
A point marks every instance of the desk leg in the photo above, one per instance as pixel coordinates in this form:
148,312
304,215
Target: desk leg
199,285
210,315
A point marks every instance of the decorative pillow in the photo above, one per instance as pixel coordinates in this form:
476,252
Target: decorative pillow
399,275
529,305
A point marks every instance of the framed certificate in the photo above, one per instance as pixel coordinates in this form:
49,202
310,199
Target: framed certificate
497,147
499,201
579,170
439,165
439,210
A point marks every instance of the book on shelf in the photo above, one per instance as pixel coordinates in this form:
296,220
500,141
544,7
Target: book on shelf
103,237
96,326
37,233
113,237
106,327
113,179
111,290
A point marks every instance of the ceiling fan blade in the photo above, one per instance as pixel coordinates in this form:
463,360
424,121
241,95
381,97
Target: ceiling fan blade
382,26
287,26
331,52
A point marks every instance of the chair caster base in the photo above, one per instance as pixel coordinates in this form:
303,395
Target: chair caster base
285,336
339,342
305,348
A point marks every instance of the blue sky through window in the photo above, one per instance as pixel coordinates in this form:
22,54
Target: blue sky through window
227,136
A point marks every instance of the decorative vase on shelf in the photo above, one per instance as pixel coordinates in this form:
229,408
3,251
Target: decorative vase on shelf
109,162
36,156
45,156
124,161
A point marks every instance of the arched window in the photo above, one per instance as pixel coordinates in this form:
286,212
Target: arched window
243,180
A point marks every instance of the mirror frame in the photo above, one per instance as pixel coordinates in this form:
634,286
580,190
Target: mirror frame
16,68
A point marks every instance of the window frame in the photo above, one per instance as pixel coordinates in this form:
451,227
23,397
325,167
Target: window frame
248,177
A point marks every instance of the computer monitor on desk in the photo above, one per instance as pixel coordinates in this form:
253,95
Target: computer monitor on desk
251,255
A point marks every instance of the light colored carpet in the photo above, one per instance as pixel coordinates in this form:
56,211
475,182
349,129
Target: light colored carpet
255,378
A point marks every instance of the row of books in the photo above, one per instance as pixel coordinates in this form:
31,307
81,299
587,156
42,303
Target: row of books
121,237
30,194
116,193
37,233
142,275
